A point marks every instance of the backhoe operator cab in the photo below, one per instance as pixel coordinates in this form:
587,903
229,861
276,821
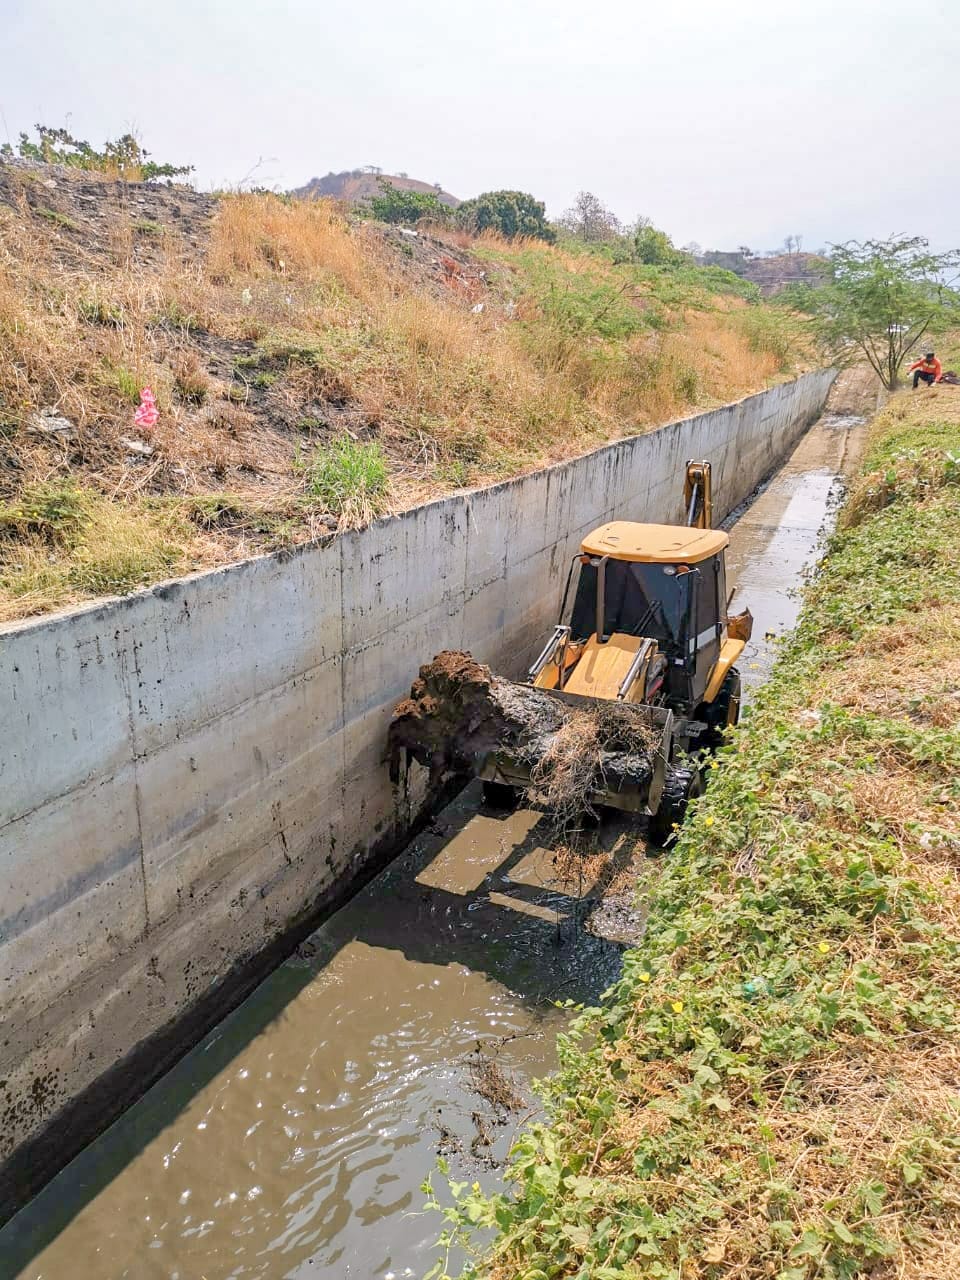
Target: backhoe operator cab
648,624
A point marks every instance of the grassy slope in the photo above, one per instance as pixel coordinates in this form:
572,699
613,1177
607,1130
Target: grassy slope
309,372
771,1089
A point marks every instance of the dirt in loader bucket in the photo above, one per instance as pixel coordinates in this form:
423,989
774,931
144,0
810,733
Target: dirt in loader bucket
458,712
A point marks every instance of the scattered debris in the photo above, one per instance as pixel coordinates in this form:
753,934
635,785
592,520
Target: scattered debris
496,1087
147,414
492,1083
51,422
139,447
482,1137
448,1143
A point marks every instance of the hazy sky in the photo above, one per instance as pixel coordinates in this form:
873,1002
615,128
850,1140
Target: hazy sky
727,123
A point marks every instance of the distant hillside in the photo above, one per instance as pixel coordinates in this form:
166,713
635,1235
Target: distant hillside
773,272
356,185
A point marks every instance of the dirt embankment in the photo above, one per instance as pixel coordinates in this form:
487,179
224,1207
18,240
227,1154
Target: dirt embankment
311,371
95,223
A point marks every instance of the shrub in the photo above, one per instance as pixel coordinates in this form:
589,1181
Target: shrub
191,381
512,214
93,310
654,247
61,219
394,205
127,383
769,332
53,512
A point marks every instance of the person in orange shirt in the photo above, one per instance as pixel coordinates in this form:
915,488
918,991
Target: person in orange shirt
928,370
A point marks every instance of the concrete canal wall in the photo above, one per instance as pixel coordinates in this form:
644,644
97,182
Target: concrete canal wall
189,773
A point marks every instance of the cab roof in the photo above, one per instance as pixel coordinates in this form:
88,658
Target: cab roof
654,543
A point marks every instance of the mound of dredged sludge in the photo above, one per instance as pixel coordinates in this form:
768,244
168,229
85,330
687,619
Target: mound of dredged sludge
458,712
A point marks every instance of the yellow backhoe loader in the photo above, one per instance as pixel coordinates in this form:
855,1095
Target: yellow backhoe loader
647,628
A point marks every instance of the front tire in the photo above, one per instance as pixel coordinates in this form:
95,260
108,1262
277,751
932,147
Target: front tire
680,786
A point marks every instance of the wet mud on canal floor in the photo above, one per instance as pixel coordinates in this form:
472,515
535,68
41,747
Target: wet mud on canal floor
292,1141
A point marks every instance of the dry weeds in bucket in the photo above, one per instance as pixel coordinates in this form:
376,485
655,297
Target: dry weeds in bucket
571,770
564,777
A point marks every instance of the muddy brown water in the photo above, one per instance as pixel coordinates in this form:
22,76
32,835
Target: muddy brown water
292,1141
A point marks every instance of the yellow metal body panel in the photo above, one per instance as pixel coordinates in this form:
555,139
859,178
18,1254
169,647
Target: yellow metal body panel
730,651
549,677
603,667
699,476
654,543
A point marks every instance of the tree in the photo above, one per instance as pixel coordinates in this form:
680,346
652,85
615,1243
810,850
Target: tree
882,296
653,246
121,157
591,221
510,213
394,205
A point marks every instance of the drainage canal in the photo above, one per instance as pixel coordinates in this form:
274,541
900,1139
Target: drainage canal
292,1141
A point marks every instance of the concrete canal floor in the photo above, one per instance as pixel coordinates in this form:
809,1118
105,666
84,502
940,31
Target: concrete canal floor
292,1141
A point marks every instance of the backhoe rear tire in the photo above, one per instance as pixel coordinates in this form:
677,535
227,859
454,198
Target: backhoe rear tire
499,795
682,784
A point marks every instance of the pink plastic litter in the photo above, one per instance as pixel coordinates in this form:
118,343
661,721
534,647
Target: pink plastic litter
147,412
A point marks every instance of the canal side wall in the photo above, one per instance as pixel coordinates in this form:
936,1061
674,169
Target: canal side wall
188,774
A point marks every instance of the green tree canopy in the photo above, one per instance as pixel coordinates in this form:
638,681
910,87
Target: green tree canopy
881,298
396,205
654,247
510,213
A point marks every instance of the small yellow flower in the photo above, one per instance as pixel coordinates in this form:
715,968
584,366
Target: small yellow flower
823,947
644,977
677,1006
714,764
476,1186
708,821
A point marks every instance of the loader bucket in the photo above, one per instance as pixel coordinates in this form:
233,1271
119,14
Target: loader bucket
630,778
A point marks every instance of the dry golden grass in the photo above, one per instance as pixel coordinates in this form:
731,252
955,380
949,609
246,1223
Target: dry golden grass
283,327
